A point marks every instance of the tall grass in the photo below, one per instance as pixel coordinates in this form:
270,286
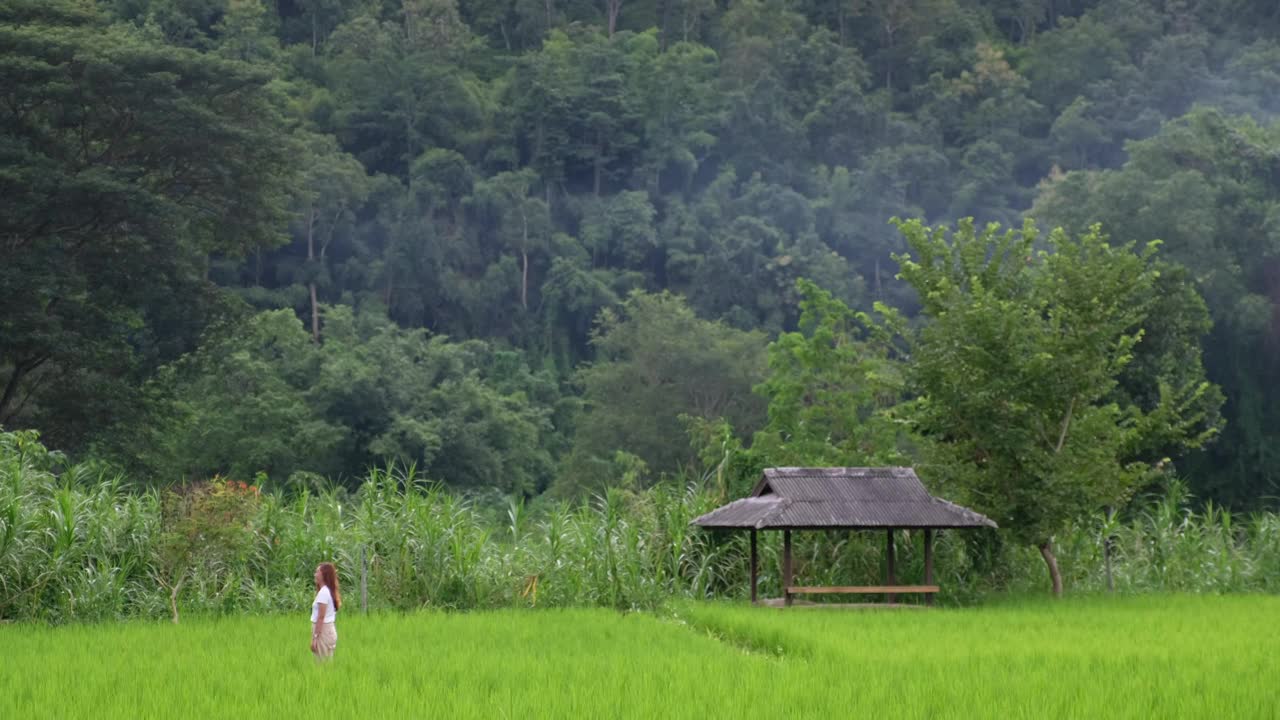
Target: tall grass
1166,546
71,545
77,543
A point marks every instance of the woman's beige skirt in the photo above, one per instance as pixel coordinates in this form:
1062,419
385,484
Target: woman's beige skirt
327,641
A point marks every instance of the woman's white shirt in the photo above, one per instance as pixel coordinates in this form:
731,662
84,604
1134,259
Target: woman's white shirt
325,597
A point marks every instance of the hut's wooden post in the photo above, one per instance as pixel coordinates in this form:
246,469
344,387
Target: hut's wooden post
754,560
891,577
928,563
786,568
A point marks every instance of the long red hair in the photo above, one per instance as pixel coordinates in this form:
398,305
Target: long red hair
329,576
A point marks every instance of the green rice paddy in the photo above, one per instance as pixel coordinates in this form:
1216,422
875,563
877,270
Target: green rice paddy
1150,657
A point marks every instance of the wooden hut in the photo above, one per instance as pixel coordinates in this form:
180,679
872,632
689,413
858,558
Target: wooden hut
847,498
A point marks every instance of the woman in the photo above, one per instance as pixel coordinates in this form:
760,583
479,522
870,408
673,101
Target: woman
324,611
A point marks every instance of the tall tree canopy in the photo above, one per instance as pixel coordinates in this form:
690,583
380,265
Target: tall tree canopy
504,170
126,162
660,363
260,396
1018,366
1207,185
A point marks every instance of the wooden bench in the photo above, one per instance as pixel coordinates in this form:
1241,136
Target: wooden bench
890,590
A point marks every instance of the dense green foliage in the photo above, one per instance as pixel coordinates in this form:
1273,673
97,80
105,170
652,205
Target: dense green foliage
659,366
1018,369
488,177
1130,658
260,396
109,210
830,388
1206,186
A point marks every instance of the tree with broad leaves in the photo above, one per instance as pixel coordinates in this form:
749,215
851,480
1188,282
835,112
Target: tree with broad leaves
1018,364
828,387
658,366
124,163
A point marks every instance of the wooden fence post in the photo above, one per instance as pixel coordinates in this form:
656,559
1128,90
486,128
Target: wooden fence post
364,578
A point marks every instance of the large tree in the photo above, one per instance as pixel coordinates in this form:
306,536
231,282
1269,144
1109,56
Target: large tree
656,362
123,164
1207,186
1018,365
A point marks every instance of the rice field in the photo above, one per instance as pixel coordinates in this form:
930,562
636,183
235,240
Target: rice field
1145,657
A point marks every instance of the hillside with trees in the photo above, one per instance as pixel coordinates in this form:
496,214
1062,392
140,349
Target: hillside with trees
545,248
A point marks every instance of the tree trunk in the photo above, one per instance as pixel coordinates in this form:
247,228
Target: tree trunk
11,389
615,9
524,280
1066,425
664,12
1046,551
1106,549
173,599
524,255
311,255
598,168
315,315
20,370
364,579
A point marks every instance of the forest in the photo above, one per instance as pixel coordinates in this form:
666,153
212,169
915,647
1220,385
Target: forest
542,249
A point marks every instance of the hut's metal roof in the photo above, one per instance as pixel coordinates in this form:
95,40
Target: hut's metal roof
841,498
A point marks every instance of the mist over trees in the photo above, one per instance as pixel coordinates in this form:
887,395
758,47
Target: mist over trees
546,246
